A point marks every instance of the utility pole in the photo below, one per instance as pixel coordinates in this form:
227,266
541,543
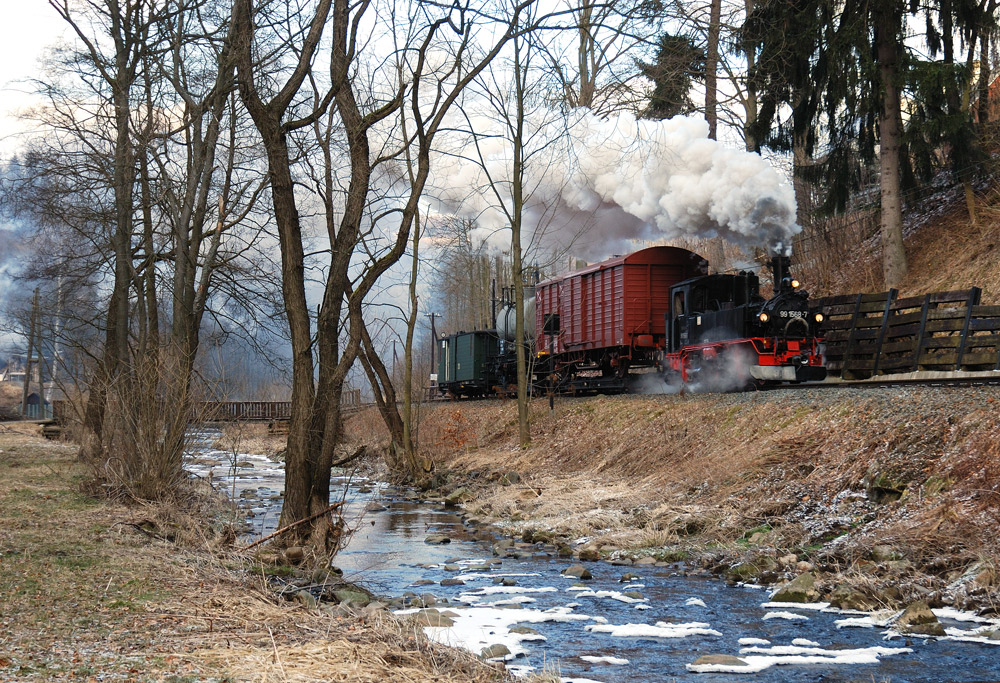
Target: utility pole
32,342
434,337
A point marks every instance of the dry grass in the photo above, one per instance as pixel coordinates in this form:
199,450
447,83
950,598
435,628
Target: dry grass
680,471
380,649
93,589
944,252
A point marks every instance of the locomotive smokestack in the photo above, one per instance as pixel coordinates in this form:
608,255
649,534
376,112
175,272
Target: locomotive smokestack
781,268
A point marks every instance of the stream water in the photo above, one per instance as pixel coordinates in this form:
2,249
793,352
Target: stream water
613,628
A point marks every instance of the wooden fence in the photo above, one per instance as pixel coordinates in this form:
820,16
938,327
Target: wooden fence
876,334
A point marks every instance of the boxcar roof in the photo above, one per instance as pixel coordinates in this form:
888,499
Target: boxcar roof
654,255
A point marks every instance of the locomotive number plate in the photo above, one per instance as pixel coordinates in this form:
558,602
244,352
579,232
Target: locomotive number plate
791,314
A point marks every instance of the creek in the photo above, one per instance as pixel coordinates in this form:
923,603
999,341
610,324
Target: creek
627,623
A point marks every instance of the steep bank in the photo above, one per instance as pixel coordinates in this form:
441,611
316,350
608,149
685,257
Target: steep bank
895,491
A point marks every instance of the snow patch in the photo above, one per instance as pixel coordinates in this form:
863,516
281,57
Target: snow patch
791,616
816,606
660,630
594,659
614,595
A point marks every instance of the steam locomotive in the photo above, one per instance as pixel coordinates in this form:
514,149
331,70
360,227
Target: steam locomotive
654,317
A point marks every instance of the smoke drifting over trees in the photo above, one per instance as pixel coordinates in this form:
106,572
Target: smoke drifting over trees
600,184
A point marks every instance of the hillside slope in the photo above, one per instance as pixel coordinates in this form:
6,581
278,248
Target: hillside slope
944,250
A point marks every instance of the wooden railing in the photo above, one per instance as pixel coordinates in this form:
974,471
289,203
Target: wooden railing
875,334
243,411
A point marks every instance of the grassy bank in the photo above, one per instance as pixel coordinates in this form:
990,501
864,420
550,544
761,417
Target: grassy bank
890,488
99,590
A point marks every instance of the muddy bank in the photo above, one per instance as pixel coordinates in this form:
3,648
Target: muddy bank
887,496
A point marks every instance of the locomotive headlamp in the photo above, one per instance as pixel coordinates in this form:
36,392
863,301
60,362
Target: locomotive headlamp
795,284
764,317
819,317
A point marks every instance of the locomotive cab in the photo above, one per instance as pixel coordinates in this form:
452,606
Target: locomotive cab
711,308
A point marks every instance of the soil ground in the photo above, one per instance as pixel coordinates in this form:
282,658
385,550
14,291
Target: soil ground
97,590
894,490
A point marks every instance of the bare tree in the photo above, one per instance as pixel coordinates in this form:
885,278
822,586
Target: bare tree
593,56
146,104
361,106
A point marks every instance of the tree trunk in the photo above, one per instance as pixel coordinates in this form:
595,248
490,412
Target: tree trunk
750,105
586,55
711,69
517,212
801,186
888,26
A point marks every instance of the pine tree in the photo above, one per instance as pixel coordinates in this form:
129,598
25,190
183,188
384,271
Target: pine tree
678,62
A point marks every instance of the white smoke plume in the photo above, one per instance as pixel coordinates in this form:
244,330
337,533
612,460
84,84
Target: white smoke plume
597,186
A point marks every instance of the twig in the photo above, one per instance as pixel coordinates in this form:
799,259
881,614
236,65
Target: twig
291,526
277,657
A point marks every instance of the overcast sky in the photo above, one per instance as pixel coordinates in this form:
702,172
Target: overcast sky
28,27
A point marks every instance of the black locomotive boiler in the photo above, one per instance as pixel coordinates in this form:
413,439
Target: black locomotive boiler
721,329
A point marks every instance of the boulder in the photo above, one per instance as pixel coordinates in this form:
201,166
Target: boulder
501,547
589,555
510,478
644,561
437,539
306,599
919,619
354,598
800,589
621,562
495,651
884,553
723,660
635,595
524,630
578,571
452,582
754,569
295,554
789,560
458,496
629,577
845,596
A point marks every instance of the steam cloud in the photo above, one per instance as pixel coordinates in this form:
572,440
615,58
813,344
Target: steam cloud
598,186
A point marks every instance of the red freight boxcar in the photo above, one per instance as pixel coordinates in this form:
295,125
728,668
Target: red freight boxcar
610,316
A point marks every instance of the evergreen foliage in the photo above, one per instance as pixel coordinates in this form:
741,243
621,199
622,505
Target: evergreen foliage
678,61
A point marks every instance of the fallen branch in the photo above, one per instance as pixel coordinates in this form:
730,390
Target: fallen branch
293,525
362,450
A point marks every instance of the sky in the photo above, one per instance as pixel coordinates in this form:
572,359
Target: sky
28,28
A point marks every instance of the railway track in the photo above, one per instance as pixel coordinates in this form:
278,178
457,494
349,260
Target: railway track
948,380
